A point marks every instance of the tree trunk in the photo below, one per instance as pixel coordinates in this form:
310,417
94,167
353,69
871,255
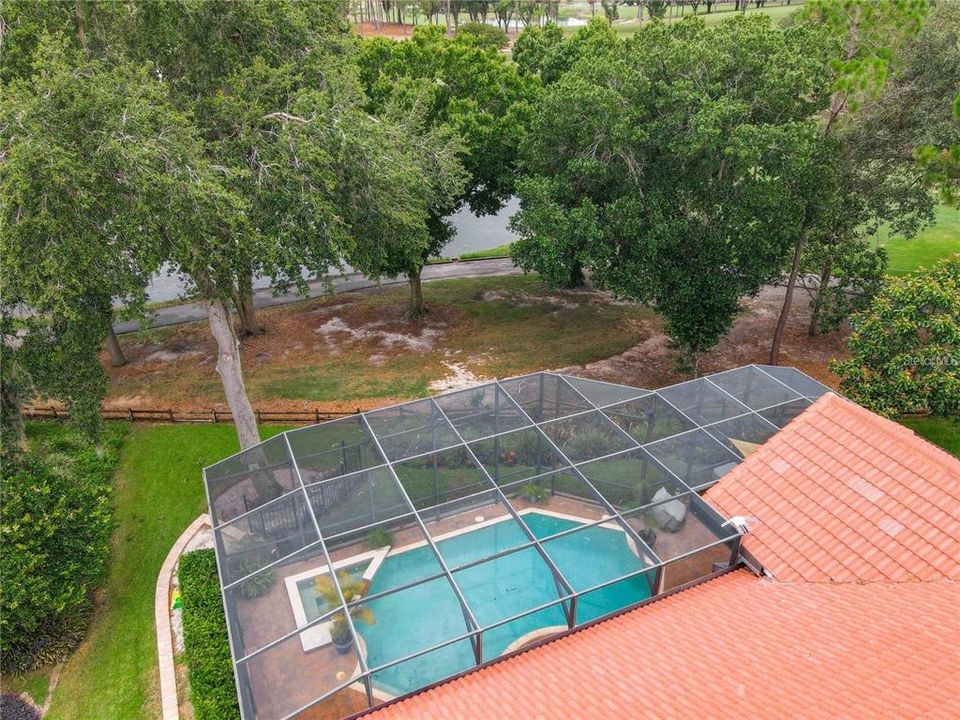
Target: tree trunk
243,301
816,307
787,302
416,293
117,358
576,276
231,374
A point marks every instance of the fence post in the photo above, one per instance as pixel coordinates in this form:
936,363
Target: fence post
54,412
215,418
316,416
259,419
171,415
130,413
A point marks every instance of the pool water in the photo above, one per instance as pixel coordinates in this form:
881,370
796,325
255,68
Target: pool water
427,614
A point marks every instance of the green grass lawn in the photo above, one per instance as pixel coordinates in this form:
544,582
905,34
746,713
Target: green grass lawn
158,492
928,247
944,432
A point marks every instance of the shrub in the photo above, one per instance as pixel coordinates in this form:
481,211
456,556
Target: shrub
14,707
55,530
486,35
534,493
212,685
905,347
379,537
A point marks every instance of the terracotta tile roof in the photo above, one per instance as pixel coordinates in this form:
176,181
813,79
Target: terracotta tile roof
734,647
843,495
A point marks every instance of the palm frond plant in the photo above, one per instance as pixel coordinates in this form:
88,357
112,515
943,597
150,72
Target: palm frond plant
353,589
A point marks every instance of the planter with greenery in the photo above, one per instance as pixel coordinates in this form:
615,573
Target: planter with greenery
212,688
352,589
534,493
379,537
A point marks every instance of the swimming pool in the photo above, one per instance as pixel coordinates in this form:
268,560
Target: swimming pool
427,614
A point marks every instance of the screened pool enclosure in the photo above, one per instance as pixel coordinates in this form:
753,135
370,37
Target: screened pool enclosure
367,557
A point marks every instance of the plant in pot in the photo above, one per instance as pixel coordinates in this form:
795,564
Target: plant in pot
649,533
534,493
353,589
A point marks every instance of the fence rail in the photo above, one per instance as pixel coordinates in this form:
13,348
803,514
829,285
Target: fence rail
189,416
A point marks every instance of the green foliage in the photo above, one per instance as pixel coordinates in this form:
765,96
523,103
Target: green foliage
679,194
905,347
484,34
379,537
212,687
534,493
463,83
544,51
57,519
869,35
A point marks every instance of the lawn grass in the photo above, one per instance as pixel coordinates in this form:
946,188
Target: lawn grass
941,431
34,683
927,248
498,251
158,493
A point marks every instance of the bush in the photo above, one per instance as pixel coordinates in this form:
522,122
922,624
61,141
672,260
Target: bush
55,531
486,35
14,707
210,671
379,537
905,347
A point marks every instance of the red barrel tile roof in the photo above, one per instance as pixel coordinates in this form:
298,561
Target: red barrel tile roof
843,495
734,647
858,521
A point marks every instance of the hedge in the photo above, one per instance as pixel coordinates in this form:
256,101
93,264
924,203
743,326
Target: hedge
57,517
212,686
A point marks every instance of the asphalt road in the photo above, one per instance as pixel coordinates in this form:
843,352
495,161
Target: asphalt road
264,297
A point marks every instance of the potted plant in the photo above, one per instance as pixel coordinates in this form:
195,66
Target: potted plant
534,493
353,589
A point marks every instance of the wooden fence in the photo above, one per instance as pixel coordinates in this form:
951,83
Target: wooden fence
292,417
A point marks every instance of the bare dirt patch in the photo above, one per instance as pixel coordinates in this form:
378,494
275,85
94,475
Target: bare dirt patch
359,350
651,363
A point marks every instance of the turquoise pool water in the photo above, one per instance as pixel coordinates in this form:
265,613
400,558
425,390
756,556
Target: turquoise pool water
427,614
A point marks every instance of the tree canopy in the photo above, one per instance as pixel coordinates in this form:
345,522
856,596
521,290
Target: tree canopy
461,89
905,347
670,166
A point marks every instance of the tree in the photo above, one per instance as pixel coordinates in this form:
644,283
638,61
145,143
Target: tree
233,66
905,348
865,36
544,51
675,193
80,147
534,45
453,87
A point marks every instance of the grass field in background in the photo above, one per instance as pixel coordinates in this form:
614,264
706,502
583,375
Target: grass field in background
927,248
